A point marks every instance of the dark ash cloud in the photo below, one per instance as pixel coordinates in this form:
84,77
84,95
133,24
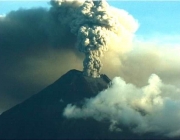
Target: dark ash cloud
33,47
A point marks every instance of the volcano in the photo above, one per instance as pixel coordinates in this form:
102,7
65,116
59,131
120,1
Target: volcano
40,116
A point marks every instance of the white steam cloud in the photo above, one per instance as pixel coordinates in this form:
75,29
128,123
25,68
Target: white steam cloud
152,108
94,23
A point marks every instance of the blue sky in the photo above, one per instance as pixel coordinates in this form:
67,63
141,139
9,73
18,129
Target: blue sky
160,17
154,17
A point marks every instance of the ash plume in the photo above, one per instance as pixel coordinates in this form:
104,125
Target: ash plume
34,55
93,22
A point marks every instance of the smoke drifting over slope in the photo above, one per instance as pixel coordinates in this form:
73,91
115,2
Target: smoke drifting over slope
152,108
31,55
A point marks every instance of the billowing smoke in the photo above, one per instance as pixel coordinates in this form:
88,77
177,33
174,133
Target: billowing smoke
152,108
94,23
32,56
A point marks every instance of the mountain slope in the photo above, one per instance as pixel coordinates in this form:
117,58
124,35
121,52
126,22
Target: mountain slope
40,116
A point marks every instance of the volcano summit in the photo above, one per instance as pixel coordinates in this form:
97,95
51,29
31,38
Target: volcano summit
41,115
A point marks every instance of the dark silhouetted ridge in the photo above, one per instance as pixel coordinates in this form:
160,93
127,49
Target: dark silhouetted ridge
40,116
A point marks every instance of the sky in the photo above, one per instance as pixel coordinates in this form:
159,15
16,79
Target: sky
163,19
37,46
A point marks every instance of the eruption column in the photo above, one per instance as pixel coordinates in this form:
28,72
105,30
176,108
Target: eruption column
92,43
89,26
93,23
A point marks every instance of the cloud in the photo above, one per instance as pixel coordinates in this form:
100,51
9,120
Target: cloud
29,42
149,57
36,49
97,26
152,108
2,16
